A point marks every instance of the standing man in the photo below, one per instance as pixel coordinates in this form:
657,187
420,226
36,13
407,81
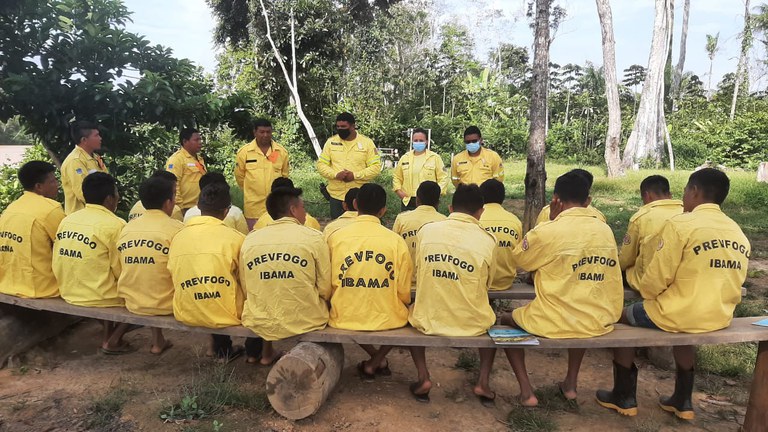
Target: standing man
349,159
257,165
506,228
477,164
188,166
81,161
415,167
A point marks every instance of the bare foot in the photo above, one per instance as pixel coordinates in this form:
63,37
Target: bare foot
567,392
528,402
421,387
480,391
251,360
157,350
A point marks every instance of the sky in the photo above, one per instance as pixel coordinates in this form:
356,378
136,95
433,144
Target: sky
186,26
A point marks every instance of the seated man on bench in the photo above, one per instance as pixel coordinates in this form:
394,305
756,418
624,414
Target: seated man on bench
266,219
371,279
407,224
346,218
288,283
145,282
455,266
544,214
506,227
85,259
692,285
234,217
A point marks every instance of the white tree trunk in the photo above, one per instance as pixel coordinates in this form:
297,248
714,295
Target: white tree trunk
612,137
644,140
746,42
678,76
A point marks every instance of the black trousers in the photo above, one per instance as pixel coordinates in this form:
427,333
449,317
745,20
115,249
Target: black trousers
336,208
222,346
410,206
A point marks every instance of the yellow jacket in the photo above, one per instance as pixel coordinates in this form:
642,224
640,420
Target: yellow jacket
544,214
693,282
371,279
234,218
204,267
77,165
345,219
407,177
27,229
188,170
85,259
507,229
145,282
359,156
579,292
408,224
266,219
639,243
455,265
138,210
288,284
255,172
468,169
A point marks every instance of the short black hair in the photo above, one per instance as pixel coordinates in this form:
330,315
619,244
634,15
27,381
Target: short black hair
214,197
467,199
97,186
350,197
210,178
155,191
428,193
472,130
34,172
261,122
572,187
279,201
281,182
82,129
656,184
584,174
346,117
714,184
419,130
165,174
186,134
493,191
371,199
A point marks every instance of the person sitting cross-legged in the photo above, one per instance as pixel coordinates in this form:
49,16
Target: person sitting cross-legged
579,293
288,283
692,285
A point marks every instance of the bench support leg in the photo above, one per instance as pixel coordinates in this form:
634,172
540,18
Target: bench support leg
300,382
757,408
22,329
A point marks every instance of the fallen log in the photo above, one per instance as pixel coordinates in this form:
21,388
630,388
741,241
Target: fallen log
22,329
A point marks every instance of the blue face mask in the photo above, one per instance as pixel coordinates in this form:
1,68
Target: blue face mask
419,146
473,147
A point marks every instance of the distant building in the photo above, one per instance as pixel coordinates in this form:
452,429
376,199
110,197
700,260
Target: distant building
12,154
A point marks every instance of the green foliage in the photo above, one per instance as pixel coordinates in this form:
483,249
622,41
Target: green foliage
468,360
734,360
10,187
522,419
105,412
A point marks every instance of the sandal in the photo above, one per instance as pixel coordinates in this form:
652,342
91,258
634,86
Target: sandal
421,397
125,348
365,376
486,401
384,370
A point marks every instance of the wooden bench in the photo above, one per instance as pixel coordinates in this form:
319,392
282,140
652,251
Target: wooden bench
302,380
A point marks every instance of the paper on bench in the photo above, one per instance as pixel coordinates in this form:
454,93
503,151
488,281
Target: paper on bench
511,336
762,323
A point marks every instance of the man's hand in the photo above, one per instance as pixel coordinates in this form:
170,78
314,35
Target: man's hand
342,175
400,193
349,177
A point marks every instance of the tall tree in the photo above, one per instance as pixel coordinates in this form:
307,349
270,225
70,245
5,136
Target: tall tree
536,174
613,135
712,49
741,68
678,76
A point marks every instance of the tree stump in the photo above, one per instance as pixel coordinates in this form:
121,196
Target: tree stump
21,328
301,381
762,172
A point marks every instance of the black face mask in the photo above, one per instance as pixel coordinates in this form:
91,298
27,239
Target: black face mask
344,133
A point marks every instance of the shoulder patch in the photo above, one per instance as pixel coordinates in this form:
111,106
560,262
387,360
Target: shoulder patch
525,243
79,170
170,166
627,239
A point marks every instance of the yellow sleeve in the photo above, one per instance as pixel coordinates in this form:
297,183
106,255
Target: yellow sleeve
323,163
397,227
240,292
323,270
240,168
241,224
405,274
114,255
630,246
491,269
76,180
372,165
52,221
660,273
543,215
177,169
397,176
455,179
498,171
311,222
440,175
531,254
177,215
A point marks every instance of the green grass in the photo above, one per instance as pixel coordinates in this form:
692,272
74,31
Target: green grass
733,360
522,419
468,360
105,412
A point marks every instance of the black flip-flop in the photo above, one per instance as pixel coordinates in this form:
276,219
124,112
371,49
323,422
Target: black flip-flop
488,402
421,397
365,376
384,370
125,348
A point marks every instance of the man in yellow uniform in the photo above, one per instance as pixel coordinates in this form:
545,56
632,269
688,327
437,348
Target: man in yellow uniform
234,218
639,243
506,228
408,224
371,279
692,285
349,159
544,214
578,281
283,277
455,266
86,262
144,243
266,219
188,166
257,165
203,262
27,230
477,163
416,166
80,162
346,218
138,208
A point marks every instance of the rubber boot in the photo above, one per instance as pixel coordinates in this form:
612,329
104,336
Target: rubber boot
680,402
623,396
